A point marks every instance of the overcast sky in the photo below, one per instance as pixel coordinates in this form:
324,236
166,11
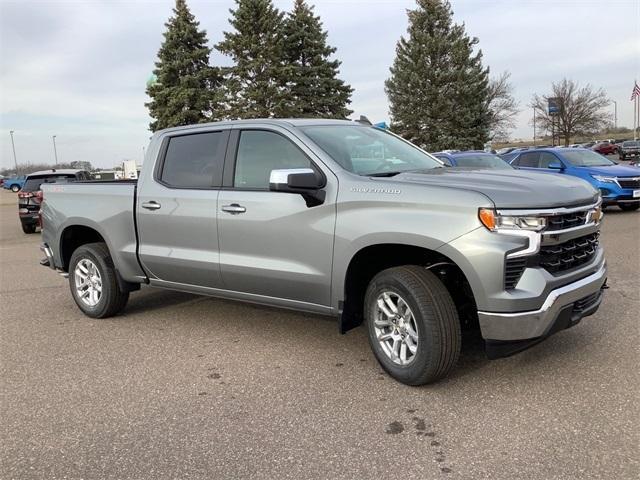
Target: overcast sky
77,69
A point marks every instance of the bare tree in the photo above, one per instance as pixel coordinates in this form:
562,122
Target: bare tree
581,110
503,108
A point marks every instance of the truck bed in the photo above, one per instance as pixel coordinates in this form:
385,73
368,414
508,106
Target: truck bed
106,206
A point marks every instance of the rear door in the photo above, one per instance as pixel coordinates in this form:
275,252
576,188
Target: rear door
271,243
176,209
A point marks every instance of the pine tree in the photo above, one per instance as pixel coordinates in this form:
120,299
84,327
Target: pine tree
186,88
312,88
438,87
254,84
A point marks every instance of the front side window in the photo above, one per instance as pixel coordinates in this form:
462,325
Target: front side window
194,161
547,159
369,150
260,152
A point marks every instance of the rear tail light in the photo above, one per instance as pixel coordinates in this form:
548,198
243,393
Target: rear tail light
40,195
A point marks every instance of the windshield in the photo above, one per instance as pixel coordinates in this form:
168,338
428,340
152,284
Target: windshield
630,144
369,151
586,158
33,183
482,161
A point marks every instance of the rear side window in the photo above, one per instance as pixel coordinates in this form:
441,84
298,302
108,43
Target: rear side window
194,161
259,152
528,160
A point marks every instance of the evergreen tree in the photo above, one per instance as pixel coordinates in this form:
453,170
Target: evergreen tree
185,90
312,88
254,84
438,87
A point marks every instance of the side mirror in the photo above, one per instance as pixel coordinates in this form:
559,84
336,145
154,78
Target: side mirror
304,181
555,166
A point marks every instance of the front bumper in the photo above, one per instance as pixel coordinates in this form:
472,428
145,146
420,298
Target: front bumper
569,303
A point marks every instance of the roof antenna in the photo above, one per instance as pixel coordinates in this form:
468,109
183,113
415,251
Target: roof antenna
364,120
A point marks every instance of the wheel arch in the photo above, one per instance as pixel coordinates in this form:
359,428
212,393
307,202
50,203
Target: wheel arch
372,259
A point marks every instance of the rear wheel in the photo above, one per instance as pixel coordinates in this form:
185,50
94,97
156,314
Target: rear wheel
93,281
628,207
29,227
15,188
413,324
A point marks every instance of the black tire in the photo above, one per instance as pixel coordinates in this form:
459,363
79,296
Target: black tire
629,207
112,299
621,156
436,319
15,188
29,227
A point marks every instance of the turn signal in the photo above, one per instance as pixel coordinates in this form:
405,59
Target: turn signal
488,218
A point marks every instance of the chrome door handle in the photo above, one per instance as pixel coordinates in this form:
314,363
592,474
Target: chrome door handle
151,205
234,208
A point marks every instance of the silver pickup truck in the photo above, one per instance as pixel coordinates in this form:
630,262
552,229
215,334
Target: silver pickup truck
343,219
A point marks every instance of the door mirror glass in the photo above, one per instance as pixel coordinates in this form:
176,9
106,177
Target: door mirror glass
555,165
294,180
304,181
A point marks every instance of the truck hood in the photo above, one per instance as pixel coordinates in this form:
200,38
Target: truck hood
510,188
613,170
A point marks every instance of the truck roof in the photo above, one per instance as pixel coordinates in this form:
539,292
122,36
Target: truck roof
295,122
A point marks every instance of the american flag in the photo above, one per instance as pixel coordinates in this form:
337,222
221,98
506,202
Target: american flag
636,92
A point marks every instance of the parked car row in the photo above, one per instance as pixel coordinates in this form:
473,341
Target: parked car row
618,184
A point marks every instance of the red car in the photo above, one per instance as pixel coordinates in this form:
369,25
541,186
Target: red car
605,148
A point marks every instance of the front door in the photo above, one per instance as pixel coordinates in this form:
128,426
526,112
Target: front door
176,210
271,243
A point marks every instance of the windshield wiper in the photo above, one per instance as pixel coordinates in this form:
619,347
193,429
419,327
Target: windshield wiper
384,174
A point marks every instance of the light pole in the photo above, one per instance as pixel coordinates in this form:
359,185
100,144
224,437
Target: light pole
55,152
534,126
615,114
13,146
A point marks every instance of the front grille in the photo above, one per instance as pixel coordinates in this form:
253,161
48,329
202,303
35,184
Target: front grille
569,255
513,271
586,302
567,220
629,182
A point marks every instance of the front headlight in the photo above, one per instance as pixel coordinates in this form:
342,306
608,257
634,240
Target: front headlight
604,179
494,221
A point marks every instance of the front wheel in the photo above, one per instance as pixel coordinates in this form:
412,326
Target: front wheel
15,188
629,207
93,281
412,324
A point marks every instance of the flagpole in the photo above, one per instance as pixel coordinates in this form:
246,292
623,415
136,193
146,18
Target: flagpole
635,118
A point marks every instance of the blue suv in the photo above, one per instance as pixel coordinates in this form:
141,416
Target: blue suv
618,184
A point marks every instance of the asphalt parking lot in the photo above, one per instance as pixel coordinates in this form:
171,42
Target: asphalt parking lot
181,386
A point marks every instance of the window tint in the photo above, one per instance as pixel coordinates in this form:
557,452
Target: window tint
546,159
482,160
33,183
194,161
259,152
528,160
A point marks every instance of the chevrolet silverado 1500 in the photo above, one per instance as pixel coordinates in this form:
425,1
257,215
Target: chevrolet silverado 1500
343,219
